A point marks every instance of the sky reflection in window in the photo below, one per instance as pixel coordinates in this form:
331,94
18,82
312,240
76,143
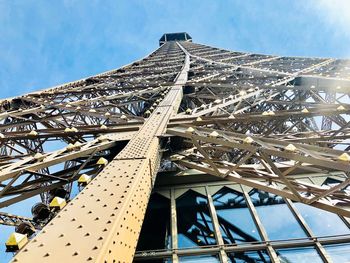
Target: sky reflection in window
277,219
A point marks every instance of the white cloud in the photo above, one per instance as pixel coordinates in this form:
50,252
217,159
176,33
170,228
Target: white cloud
336,14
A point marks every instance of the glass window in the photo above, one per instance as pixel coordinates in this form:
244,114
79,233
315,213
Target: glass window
340,253
260,256
194,223
322,223
277,219
299,255
236,222
201,258
155,232
331,224
153,260
333,182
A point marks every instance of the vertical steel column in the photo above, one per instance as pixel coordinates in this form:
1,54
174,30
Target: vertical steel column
308,230
174,245
218,236
261,229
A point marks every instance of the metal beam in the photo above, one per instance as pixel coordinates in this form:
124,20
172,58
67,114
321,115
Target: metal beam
115,200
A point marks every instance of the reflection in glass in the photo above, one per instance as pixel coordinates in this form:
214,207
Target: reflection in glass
153,260
322,223
275,216
201,258
299,255
339,253
333,182
260,256
236,222
155,232
194,223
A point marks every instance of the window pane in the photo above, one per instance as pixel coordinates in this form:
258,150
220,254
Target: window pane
278,220
236,222
322,223
339,253
194,223
249,256
299,255
155,232
202,259
153,260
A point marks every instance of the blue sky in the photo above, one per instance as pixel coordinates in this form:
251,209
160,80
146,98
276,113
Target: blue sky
45,43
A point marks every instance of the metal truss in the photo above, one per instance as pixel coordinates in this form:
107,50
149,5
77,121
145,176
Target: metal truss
14,220
258,120
243,198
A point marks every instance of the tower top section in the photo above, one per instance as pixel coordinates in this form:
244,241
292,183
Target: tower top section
180,36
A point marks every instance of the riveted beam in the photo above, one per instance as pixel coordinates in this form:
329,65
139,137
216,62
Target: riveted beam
103,222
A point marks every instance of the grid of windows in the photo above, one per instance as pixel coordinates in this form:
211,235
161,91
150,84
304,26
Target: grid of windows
223,222
235,219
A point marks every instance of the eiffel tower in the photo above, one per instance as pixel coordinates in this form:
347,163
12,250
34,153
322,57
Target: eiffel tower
193,153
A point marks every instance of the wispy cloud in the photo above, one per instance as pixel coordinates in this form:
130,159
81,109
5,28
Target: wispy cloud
44,44
336,14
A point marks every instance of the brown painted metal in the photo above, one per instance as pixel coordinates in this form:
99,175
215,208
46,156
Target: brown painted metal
115,200
274,100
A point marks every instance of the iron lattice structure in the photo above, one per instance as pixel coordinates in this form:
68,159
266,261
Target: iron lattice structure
257,120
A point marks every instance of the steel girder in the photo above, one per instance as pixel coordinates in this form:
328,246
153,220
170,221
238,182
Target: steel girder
259,120
267,164
116,212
